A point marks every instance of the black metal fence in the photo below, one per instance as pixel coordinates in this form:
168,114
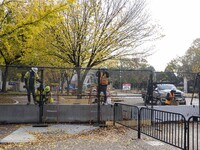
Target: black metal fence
193,133
83,82
171,128
127,115
70,78
75,83
165,126
74,78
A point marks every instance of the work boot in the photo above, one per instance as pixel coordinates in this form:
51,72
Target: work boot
28,103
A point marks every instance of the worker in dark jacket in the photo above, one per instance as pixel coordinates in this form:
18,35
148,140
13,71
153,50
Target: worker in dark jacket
31,77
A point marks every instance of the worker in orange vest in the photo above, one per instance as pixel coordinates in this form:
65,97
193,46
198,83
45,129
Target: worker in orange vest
104,75
170,96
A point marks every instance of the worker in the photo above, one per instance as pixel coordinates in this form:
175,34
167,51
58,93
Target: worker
31,77
104,75
46,95
170,97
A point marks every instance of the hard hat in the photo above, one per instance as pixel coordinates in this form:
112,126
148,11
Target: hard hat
34,69
104,68
47,89
173,90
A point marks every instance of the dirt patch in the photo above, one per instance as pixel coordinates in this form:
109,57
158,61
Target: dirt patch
6,100
72,100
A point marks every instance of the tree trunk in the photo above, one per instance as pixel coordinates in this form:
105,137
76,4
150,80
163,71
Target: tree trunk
67,86
4,77
62,78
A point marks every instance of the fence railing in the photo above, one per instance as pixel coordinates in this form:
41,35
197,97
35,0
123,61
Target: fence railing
193,133
165,126
168,127
127,115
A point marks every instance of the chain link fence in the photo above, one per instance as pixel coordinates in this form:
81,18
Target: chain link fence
82,83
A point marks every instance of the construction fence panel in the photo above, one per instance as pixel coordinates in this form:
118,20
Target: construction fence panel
67,78
73,83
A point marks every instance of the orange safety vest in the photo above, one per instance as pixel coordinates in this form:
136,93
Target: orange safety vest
171,96
103,79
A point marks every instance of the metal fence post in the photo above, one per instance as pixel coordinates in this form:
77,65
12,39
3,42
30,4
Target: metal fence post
41,103
114,114
98,98
139,129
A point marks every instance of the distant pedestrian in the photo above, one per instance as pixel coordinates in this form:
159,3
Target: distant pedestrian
104,75
31,77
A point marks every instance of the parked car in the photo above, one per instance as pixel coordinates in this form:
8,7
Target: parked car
160,91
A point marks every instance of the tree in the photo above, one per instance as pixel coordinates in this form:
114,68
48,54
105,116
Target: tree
94,31
189,62
192,57
173,65
20,21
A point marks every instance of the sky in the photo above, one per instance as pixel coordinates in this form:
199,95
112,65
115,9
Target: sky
180,23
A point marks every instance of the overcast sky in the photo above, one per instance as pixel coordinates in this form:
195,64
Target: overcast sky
180,20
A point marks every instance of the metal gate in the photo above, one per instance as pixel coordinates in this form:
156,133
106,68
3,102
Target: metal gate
165,126
168,127
127,115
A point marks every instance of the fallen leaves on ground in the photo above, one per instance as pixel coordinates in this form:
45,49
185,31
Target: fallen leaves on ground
6,129
50,138
6,100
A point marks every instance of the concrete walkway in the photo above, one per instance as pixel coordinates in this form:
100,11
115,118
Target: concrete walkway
23,133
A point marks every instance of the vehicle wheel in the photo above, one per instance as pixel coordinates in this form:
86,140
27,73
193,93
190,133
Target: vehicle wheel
158,102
